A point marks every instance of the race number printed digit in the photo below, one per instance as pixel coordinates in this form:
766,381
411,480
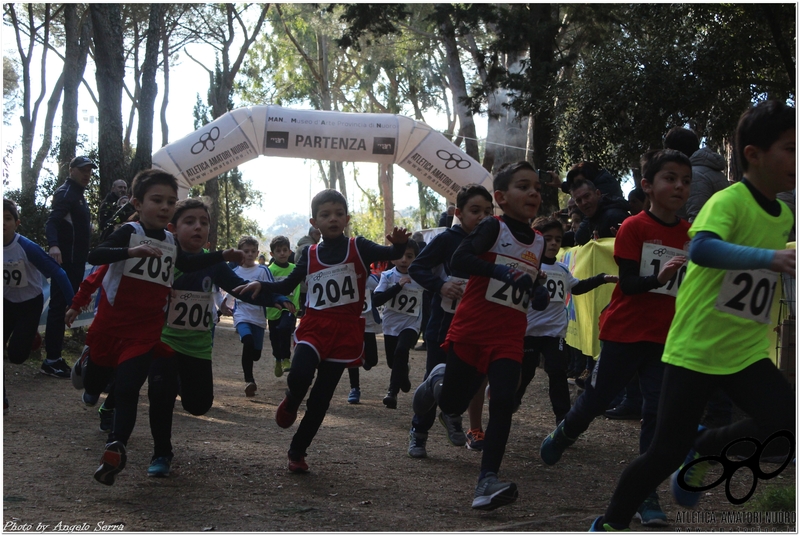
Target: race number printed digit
408,301
333,287
503,293
556,285
450,305
14,274
190,311
748,294
157,269
653,257
367,302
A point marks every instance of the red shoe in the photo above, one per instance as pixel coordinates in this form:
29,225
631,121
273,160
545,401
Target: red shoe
298,467
37,342
284,417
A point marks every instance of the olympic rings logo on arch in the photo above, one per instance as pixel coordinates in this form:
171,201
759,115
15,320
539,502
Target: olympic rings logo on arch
730,467
453,160
209,137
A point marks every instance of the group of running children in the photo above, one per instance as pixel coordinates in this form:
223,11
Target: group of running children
497,308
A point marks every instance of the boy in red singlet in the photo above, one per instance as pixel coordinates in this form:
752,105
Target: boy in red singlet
502,256
330,335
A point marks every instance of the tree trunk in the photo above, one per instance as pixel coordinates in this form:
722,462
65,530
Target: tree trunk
110,60
149,90
77,33
165,101
386,179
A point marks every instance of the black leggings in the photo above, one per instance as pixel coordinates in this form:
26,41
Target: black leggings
370,359
193,377
461,383
556,362
303,366
20,322
249,355
760,390
398,350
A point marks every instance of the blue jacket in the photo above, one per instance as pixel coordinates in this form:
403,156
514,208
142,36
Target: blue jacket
69,226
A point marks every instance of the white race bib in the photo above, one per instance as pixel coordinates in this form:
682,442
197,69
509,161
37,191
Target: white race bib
333,287
157,269
450,305
503,293
556,285
190,311
653,257
14,274
748,294
408,301
367,302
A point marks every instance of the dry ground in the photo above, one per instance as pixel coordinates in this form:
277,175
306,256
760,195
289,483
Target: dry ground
229,472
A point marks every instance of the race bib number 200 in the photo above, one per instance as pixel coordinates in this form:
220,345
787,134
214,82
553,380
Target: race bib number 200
748,294
157,269
333,287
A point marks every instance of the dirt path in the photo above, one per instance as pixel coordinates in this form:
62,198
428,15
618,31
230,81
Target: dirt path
229,472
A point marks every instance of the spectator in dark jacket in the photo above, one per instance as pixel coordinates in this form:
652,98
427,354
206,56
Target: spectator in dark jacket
603,214
68,230
445,219
590,171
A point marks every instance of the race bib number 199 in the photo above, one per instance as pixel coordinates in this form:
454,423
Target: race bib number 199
333,287
14,274
748,294
190,311
157,269
503,293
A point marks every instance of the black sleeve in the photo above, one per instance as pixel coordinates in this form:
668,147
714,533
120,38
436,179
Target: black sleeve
226,278
372,252
465,259
586,285
436,253
287,285
583,234
631,282
187,263
381,298
113,249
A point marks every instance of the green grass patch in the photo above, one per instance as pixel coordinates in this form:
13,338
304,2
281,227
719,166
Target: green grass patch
773,498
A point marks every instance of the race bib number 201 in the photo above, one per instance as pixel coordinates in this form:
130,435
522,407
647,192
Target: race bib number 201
157,269
748,294
333,287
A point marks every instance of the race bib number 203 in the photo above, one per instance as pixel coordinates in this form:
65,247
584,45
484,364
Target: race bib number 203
157,269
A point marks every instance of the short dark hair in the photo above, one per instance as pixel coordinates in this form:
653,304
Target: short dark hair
543,224
505,173
247,240
11,207
636,193
188,204
762,126
654,160
589,171
278,241
412,244
471,190
148,178
327,195
682,139
580,182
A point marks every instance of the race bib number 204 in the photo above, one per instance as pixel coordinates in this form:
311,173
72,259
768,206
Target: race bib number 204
333,287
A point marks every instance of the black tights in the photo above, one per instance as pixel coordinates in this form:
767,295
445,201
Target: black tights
398,350
760,390
249,355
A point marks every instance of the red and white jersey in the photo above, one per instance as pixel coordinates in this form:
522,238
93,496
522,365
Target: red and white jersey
135,292
336,289
491,311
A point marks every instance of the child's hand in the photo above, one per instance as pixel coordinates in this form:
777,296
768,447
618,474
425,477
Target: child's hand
224,310
234,255
611,278
287,305
452,290
253,287
514,277
144,251
404,280
400,235
784,262
70,316
670,268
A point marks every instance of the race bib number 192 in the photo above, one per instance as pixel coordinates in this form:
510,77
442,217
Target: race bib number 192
333,287
157,269
408,302
748,294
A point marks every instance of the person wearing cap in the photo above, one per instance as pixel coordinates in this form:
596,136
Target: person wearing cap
68,230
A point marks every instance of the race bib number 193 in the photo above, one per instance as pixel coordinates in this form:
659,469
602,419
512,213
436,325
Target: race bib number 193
157,269
748,294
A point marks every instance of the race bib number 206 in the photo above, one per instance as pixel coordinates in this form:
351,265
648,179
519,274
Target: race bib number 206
190,311
157,269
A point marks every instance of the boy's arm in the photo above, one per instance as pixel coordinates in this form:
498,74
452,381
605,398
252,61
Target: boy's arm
437,252
47,266
709,250
84,295
466,257
225,278
372,252
583,234
381,298
591,283
114,248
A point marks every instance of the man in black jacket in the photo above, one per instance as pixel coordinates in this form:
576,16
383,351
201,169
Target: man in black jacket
68,230
603,214
112,203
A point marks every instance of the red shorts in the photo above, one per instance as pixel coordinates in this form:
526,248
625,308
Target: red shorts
480,357
333,340
110,351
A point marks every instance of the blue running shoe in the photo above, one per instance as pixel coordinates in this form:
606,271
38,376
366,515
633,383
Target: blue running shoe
600,525
650,513
159,467
555,444
692,477
355,396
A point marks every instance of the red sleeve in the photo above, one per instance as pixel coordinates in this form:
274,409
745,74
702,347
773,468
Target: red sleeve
84,294
629,241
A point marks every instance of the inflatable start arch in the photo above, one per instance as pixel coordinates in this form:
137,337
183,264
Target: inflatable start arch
246,133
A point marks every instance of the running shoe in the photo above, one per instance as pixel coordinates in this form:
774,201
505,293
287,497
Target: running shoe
390,401
59,368
600,525
474,439
284,416
355,396
159,467
555,444
417,445
89,399
650,513
76,374
249,389
286,364
454,427
298,466
278,368
492,493
113,461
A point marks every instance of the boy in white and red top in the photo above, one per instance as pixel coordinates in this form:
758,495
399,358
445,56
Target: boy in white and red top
502,257
330,336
